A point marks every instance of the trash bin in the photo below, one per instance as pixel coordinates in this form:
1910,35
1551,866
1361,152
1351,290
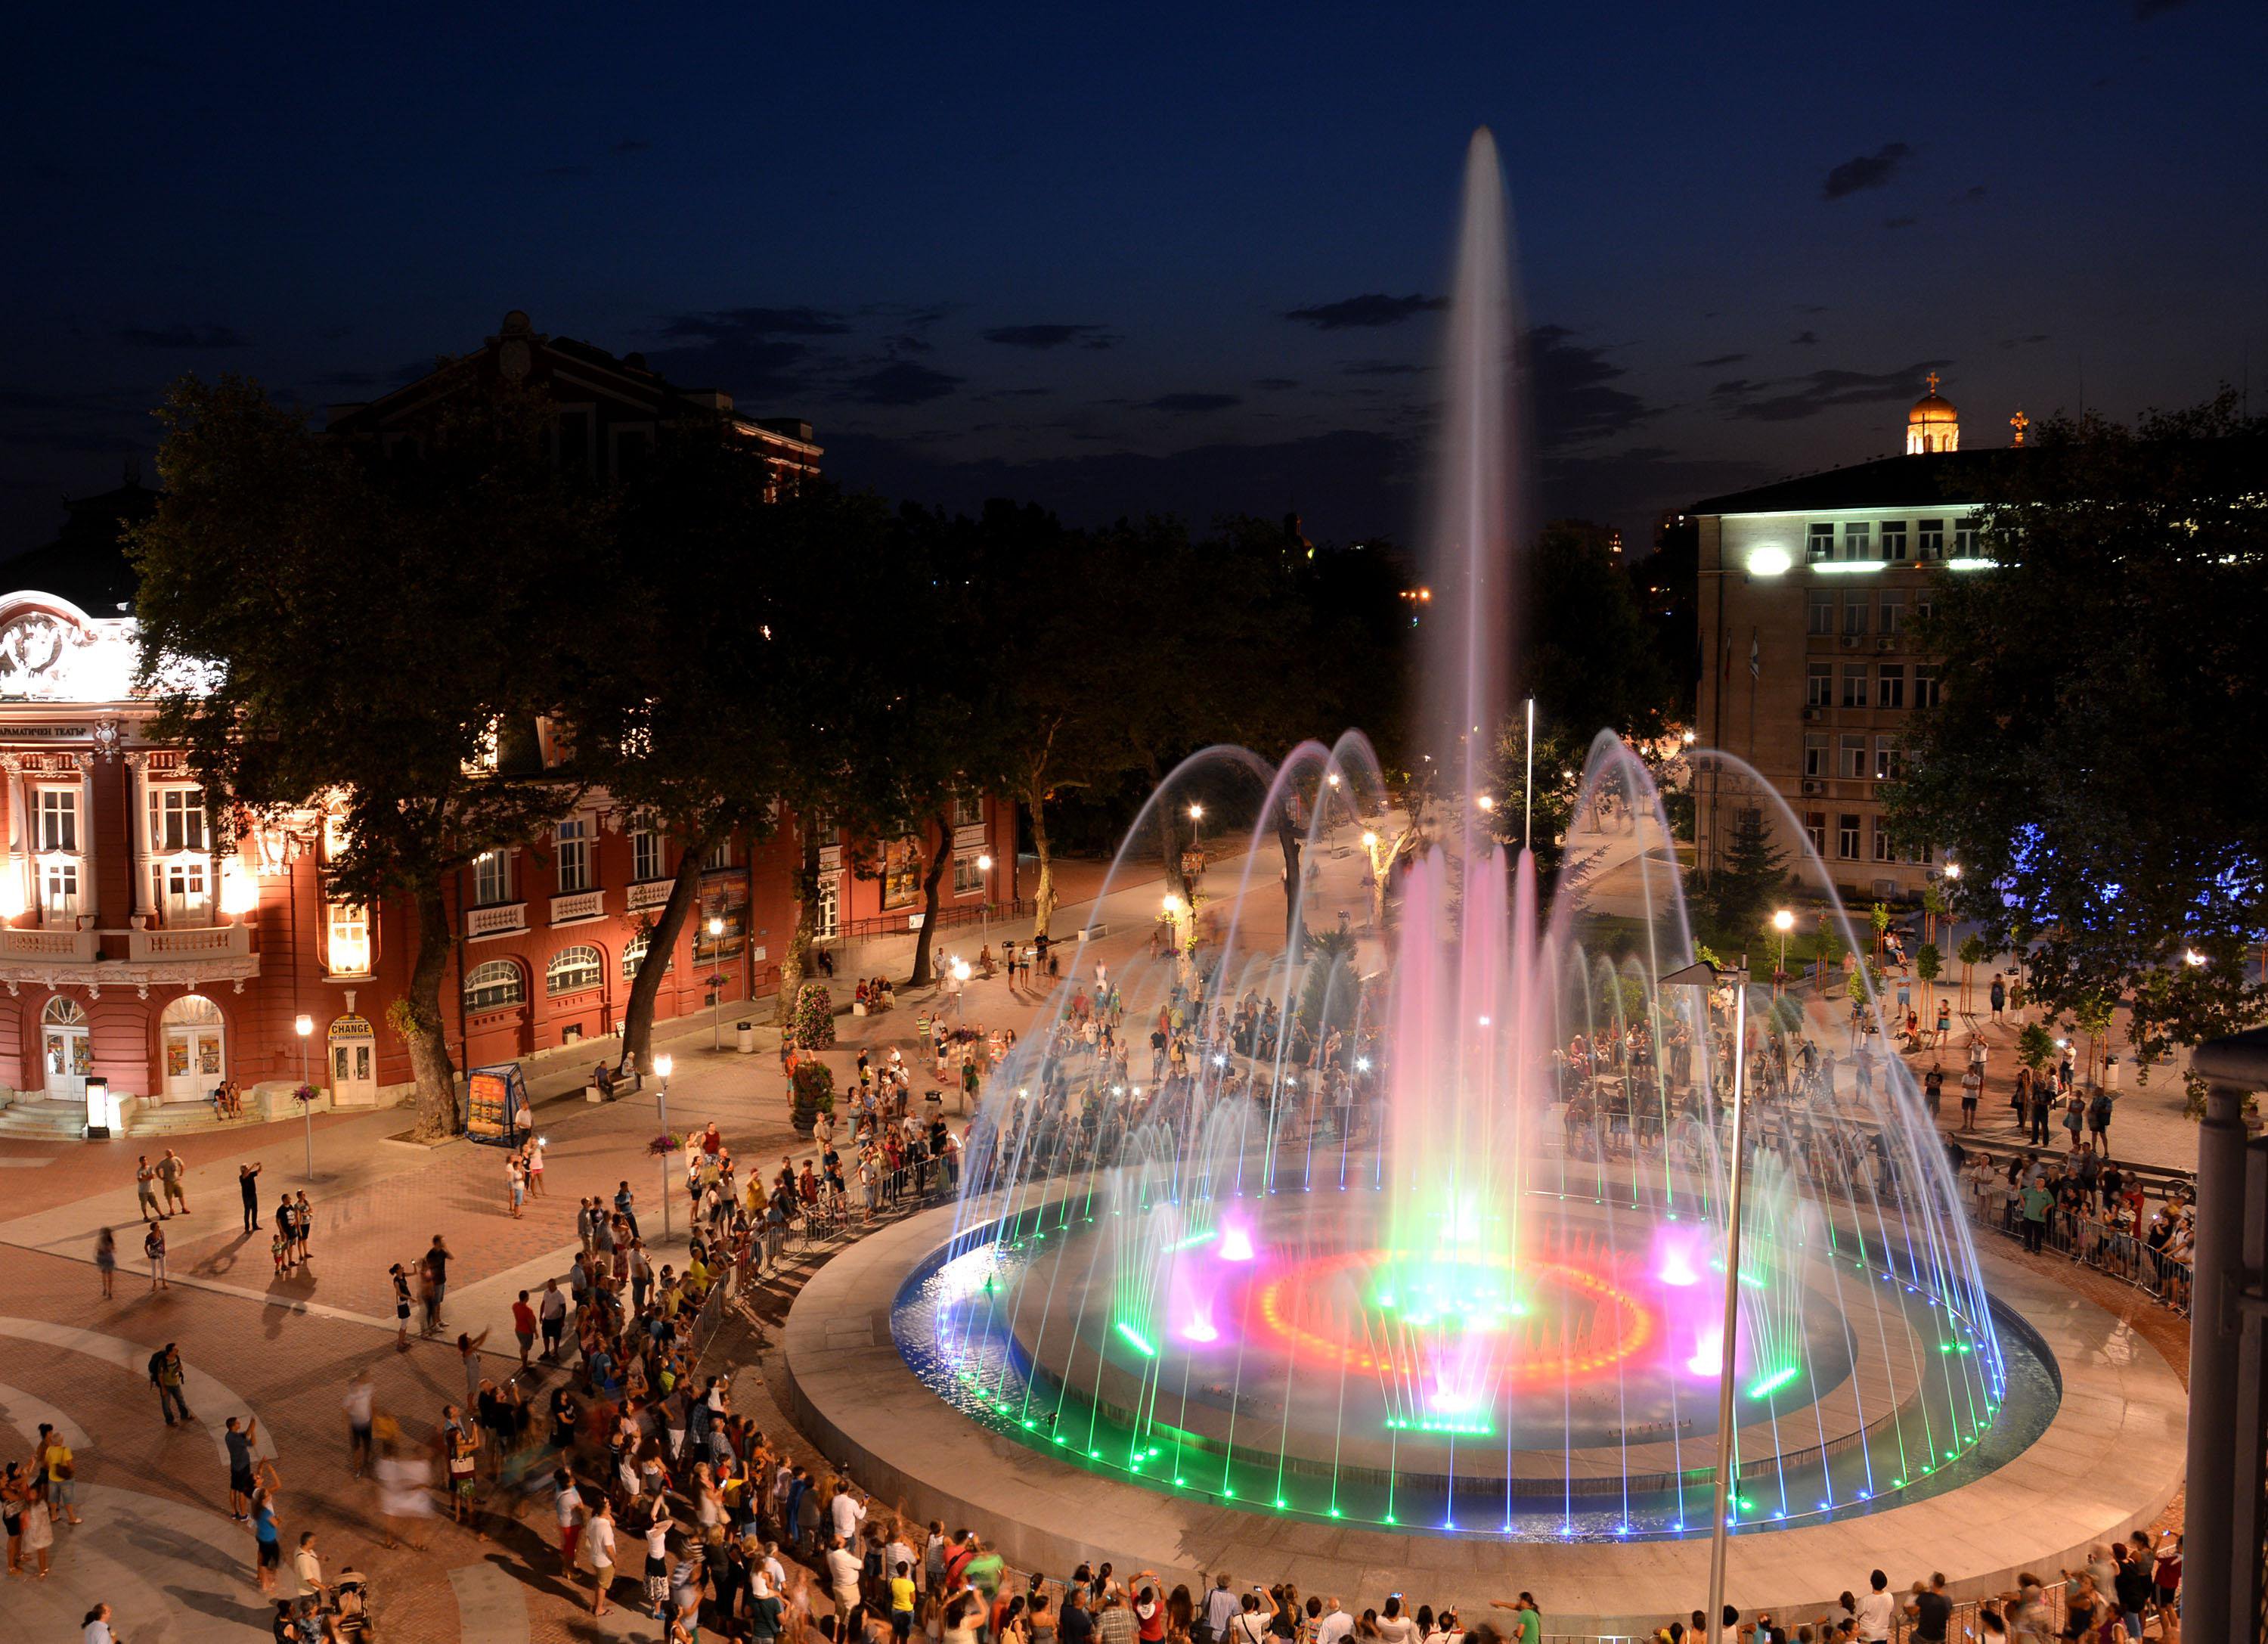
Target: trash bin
744,1034
2110,1072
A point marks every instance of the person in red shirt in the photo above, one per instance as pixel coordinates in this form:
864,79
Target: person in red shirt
1149,1608
523,1326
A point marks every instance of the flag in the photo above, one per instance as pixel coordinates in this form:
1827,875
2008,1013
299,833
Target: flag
1755,657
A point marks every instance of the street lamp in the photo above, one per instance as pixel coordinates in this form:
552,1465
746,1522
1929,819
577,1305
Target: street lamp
304,1027
717,999
662,1064
1783,922
984,908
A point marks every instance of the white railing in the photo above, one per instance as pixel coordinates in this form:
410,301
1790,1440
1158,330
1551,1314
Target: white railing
647,893
579,905
70,947
502,918
206,941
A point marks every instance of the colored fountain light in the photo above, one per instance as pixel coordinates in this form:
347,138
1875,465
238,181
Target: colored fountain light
1430,1208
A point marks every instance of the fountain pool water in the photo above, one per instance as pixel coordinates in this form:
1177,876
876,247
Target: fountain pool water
1423,1222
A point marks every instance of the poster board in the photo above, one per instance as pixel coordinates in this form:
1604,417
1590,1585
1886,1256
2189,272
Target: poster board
497,1105
724,896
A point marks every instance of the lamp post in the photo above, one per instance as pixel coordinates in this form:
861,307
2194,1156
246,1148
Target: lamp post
662,1064
1783,922
304,1027
984,908
717,1000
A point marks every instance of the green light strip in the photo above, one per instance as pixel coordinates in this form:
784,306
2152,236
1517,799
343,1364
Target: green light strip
1134,1340
1771,1384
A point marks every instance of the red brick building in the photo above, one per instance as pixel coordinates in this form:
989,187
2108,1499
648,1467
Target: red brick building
133,952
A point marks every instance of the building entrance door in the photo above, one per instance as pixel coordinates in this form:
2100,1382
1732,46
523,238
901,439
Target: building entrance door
195,1048
65,1051
354,1063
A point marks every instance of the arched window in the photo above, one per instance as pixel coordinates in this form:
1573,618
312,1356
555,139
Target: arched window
64,1013
574,969
191,1010
633,955
494,985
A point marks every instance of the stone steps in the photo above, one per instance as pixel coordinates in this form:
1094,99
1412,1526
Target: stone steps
43,1120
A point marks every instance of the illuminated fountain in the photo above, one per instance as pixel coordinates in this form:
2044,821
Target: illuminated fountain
1429,1226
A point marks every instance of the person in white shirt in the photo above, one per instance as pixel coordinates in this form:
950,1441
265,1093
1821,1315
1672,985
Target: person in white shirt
850,1512
567,1501
1220,1607
98,1627
1393,1626
774,1572
1876,1611
602,1553
843,1575
1336,1623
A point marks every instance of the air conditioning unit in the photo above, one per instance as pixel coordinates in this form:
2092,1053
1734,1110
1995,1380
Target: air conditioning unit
1886,888
1851,642
1886,643
1814,713
1812,784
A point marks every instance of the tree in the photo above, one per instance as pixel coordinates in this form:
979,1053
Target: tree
1586,656
1560,753
689,743
2080,768
324,630
1972,954
1753,873
1929,964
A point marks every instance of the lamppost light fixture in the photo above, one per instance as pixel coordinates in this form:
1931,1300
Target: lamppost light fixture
1783,921
1369,839
1197,812
2191,957
303,1026
1171,902
1487,801
984,863
716,925
663,1063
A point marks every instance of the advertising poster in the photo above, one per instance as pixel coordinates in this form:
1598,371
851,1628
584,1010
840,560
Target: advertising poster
724,896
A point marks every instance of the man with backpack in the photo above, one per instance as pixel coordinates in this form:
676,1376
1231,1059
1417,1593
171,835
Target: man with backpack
167,1376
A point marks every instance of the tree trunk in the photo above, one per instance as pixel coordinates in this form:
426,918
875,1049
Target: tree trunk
1043,893
1295,924
420,1021
797,960
925,937
661,943
1170,833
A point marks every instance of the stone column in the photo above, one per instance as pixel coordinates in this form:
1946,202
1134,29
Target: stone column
90,893
19,830
137,831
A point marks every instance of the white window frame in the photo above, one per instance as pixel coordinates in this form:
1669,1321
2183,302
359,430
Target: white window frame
492,870
967,809
1818,544
59,886
1815,754
1819,612
570,862
1884,850
1850,829
1893,619
720,854
1851,756
1890,765
634,950
968,878
827,914
647,856
1819,685
489,979
346,939
1858,611
585,975
177,820
56,831
1858,684
1929,539
1890,685
1857,540
1894,540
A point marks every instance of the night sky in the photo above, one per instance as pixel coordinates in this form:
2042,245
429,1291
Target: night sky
1124,258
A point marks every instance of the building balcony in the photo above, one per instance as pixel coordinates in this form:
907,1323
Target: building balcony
498,918
647,893
578,906
190,956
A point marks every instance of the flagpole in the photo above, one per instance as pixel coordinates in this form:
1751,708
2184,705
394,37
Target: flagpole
1528,818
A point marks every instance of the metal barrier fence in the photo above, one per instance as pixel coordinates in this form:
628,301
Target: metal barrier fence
2117,1255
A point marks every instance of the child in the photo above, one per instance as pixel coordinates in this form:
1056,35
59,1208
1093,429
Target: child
279,1247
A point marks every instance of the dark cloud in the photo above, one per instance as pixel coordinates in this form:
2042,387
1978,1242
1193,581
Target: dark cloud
1046,337
1817,391
750,352
720,323
1012,394
1718,360
1573,392
1275,385
1900,222
2024,341
180,335
902,382
1191,404
2144,9
1811,309
1374,309
908,342
1382,368
1803,339
1867,171
632,145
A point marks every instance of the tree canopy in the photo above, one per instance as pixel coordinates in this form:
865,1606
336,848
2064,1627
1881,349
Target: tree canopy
2087,767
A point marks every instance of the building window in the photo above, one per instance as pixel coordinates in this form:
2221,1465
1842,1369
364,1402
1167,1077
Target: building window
181,887
1925,602
1929,540
1967,535
1890,685
1854,612
1819,544
968,878
347,949
1894,539
1852,765
1921,855
1818,684
494,985
1847,836
58,828
1815,829
634,954
1856,543
967,809
1890,764
1854,684
1924,685
720,854
1884,852
572,840
491,878
59,888
1820,616
1893,611
573,969
1815,753
645,855
827,916
177,819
